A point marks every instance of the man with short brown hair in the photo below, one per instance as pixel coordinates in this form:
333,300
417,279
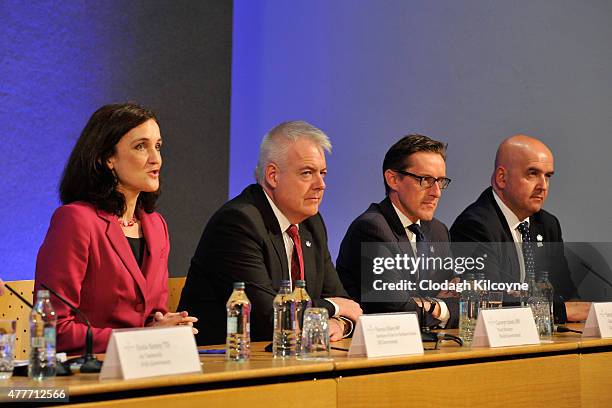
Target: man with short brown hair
414,174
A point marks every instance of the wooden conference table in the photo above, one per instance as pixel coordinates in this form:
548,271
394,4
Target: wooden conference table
568,372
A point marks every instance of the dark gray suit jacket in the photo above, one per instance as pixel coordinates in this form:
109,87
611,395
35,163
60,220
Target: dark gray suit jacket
380,223
243,242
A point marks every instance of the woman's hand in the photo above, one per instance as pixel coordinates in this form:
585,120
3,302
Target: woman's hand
174,319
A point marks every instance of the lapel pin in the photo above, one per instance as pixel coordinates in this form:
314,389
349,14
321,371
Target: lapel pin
431,249
308,244
540,238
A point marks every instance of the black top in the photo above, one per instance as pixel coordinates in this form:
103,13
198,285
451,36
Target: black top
138,246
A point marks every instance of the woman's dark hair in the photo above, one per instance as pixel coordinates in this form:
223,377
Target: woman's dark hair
86,175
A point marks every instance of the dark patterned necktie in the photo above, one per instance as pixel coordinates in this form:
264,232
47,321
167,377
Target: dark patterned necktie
297,259
421,246
528,253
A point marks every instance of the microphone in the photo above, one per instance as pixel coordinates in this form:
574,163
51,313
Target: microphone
90,364
594,272
565,329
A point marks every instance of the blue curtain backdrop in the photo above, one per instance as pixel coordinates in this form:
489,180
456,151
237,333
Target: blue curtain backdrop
367,72
62,60
469,73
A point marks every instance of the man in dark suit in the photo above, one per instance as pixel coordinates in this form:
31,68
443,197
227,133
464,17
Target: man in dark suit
414,174
272,231
512,209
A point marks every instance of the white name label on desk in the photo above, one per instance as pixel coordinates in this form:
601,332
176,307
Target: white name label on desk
512,326
150,352
387,334
599,321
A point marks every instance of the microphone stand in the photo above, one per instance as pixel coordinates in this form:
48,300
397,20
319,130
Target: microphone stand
62,368
426,334
90,364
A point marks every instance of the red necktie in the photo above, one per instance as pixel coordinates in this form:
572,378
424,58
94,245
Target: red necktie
297,260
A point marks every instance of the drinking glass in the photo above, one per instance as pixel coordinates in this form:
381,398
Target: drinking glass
315,335
495,300
7,347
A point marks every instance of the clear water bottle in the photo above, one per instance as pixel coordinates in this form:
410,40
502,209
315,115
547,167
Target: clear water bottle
469,306
539,307
284,339
238,341
483,294
549,293
302,302
42,338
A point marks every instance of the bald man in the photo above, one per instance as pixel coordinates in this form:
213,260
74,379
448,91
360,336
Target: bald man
519,187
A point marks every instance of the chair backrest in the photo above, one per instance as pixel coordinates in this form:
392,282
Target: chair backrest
13,308
175,287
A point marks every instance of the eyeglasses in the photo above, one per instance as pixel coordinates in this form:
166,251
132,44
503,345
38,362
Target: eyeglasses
427,181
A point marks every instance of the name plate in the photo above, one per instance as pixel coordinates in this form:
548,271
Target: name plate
150,352
512,326
599,321
387,334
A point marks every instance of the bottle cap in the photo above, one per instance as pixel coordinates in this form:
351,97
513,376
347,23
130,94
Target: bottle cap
239,285
42,293
300,283
285,283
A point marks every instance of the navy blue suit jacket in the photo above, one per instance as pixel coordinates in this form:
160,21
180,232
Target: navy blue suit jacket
380,223
483,222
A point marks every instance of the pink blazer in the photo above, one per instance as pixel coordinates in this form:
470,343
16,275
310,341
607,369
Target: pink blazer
86,258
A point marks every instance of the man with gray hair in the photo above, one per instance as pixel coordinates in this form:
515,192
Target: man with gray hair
272,231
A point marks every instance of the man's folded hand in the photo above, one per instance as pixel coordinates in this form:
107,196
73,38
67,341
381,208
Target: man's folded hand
348,308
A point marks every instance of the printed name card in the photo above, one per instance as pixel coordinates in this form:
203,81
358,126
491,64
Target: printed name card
512,326
599,321
386,334
150,352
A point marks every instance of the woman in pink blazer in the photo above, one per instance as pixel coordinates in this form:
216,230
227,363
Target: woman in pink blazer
106,250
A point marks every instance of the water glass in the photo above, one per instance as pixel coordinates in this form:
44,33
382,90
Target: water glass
315,335
495,300
7,347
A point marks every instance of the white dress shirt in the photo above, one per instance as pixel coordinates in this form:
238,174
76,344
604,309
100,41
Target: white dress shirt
444,312
284,223
513,223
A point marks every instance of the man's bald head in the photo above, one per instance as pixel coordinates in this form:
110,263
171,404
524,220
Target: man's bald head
523,166
517,146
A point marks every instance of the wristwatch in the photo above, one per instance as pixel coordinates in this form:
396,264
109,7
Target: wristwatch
432,305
